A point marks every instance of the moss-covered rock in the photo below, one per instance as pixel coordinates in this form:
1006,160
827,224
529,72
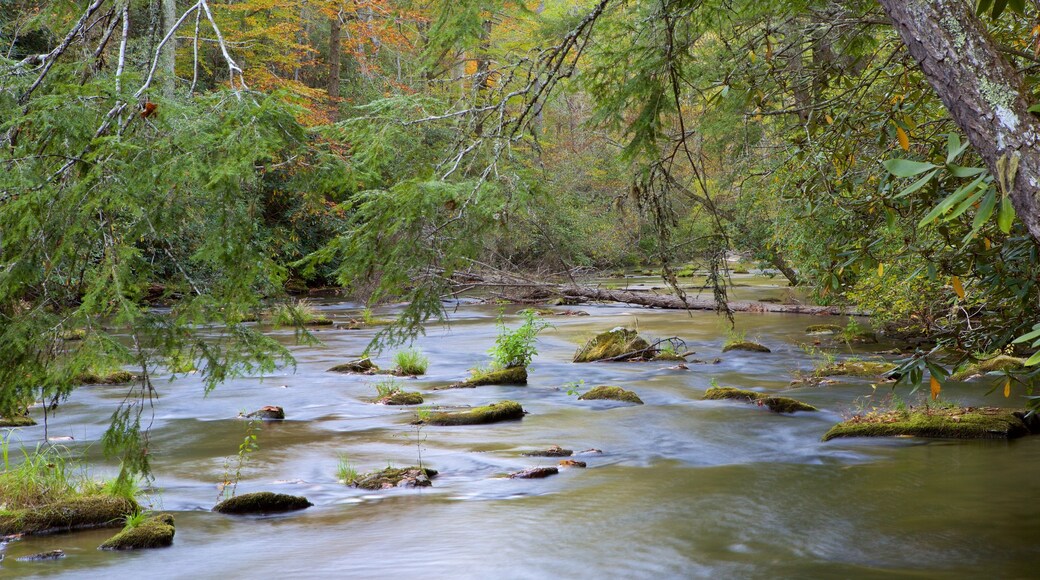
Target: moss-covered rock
610,393
17,421
534,473
361,366
774,403
612,344
552,451
668,355
268,413
745,346
864,337
319,321
401,398
493,413
507,376
997,363
824,329
392,477
110,378
155,532
860,368
74,514
955,423
262,502
572,463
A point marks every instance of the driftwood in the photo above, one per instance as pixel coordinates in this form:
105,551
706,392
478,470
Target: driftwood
675,303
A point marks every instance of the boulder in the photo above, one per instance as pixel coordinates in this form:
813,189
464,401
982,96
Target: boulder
619,342
361,366
552,451
268,413
571,463
606,392
945,423
746,346
493,413
401,398
534,473
94,511
507,376
117,377
262,502
43,556
774,403
862,368
392,477
155,532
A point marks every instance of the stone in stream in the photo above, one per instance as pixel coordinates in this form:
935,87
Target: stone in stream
400,398
43,556
155,532
361,366
95,511
774,403
610,393
493,413
944,423
262,502
552,451
571,463
862,368
17,421
534,473
616,344
268,413
392,477
745,346
824,329
506,376
117,377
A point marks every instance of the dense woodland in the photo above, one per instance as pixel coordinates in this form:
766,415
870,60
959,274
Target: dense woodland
217,156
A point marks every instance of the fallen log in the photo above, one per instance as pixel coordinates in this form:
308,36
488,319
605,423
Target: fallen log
671,302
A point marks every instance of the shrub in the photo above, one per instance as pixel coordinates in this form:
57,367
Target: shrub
411,361
515,348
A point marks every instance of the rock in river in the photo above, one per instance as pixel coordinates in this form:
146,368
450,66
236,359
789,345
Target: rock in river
262,502
493,413
155,532
392,477
948,423
534,473
606,392
506,376
774,403
618,342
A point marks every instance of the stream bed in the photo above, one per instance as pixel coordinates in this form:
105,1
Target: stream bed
682,488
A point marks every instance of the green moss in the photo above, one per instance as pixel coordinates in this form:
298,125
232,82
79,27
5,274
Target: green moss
74,334
745,345
606,392
493,413
509,376
956,423
155,532
17,421
824,329
395,477
774,403
94,511
401,398
262,502
863,368
668,356
363,366
997,363
612,344
111,378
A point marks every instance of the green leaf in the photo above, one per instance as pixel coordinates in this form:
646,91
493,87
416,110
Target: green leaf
1006,215
1018,6
998,8
984,6
985,211
954,147
1034,109
918,184
1033,359
953,198
964,205
958,171
1027,337
907,168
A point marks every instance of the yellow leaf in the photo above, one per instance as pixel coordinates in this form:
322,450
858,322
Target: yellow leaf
904,139
880,269
987,243
1007,389
957,287
936,387
830,121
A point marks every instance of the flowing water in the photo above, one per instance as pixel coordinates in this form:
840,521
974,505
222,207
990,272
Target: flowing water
683,487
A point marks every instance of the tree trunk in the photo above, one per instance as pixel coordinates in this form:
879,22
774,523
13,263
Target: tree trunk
334,50
981,90
675,303
169,51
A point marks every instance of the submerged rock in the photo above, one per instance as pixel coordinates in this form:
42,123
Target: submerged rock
997,363
619,342
493,413
552,451
572,463
361,366
262,502
862,368
110,378
507,376
824,329
950,423
401,398
268,413
774,403
534,473
606,392
43,556
392,477
94,511
155,532
746,346
17,421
